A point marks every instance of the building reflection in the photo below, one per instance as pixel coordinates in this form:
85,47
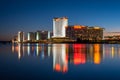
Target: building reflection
20,50
33,50
94,53
77,54
30,50
82,53
97,54
60,58
111,50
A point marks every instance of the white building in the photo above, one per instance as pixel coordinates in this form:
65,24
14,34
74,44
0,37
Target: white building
59,25
20,36
31,36
38,35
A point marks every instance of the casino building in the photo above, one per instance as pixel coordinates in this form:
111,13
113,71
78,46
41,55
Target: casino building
59,25
84,32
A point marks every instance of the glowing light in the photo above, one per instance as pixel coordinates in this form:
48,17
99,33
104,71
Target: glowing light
96,27
37,49
79,58
113,52
49,48
79,55
65,69
20,36
19,51
16,48
96,47
28,36
48,34
57,67
97,58
37,36
78,26
28,49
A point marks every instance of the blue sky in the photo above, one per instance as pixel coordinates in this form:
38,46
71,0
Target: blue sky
33,15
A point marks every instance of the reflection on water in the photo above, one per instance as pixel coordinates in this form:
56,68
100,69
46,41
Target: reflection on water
79,55
59,57
63,54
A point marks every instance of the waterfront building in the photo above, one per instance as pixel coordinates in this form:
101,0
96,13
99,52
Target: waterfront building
31,36
48,34
80,32
20,36
43,35
37,35
95,33
76,31
59,25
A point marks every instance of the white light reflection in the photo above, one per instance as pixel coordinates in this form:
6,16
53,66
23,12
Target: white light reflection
28,49
37,49
49,48
20,50
59,58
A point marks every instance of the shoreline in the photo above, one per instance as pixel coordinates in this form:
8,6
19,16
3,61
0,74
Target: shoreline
70,42
75,42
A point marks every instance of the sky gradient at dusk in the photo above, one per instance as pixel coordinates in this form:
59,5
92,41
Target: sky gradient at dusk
33,15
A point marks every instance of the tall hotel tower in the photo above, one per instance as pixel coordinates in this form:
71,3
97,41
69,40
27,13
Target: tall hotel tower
59,25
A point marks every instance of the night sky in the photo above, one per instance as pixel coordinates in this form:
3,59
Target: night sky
33,15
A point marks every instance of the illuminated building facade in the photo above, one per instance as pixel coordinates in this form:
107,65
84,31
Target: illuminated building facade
84,32
20,36
59,25
95,33
49,34
37,35
31,36
76,31
43,35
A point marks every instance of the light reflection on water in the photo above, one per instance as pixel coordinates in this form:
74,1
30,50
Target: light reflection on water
63,54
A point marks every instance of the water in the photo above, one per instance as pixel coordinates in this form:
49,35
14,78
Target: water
60,62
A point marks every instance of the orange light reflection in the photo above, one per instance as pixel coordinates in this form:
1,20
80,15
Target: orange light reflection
97,58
